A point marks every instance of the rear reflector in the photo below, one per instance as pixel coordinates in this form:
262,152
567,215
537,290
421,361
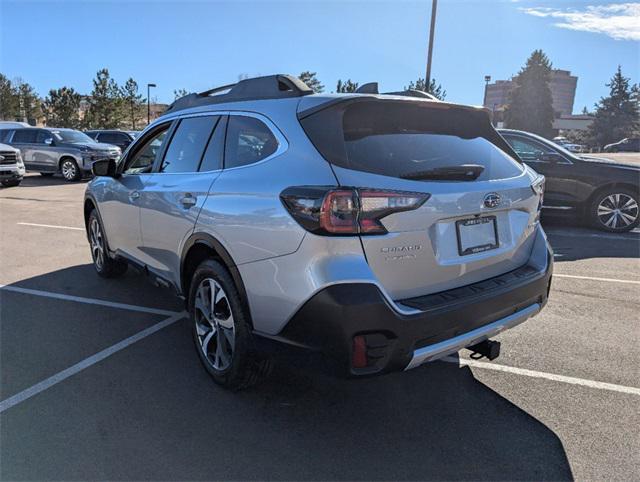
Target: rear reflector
359,352
347,211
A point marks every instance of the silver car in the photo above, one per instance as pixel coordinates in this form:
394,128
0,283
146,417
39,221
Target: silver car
376,231
66,151
11,166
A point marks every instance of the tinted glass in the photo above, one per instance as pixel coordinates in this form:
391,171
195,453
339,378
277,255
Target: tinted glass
528,150
403,139
25,136
212,159
72,137
112,138
43,136
143,158
249,140
188,144
4,135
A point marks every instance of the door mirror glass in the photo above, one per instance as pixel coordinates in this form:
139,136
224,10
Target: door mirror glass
105,167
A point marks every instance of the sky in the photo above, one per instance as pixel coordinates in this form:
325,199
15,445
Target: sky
197,45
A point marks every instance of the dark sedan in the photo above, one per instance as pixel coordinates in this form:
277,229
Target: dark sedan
603,193
122,139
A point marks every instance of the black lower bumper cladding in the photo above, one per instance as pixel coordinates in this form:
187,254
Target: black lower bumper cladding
328,322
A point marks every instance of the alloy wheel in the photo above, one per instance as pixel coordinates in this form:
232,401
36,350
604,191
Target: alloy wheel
97,243
215,326
68,170
617,211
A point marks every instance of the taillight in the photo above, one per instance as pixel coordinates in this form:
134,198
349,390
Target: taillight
347,211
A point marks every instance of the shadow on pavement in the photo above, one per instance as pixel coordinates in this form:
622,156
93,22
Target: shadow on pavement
575,243
152,412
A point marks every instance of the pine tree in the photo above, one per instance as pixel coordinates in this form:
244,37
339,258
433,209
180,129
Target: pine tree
346,86
61,108
617,115
531,105
311,79
133,101
106,103
434,88
29,104
8,99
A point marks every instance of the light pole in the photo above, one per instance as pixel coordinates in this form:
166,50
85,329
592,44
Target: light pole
434,5
149,102
487,79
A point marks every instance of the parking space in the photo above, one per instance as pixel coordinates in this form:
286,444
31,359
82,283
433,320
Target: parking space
99,379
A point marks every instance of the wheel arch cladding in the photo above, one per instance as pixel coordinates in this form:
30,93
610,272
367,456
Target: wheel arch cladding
89,206
203,246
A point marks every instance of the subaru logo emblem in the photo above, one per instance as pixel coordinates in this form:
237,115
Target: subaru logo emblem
492,200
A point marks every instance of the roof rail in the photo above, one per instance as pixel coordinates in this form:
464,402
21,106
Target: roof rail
278,86
372,88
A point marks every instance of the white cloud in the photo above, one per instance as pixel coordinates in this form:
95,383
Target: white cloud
620,21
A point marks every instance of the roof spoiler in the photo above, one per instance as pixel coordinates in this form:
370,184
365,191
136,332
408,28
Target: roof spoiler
278,86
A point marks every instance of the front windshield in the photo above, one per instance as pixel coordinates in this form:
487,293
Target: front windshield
73,137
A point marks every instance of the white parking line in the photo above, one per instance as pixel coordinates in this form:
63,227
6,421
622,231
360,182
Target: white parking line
86,363
91,301
547,376
51,226
591,278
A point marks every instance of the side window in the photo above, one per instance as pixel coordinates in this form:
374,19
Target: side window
5,134
43,136
213,155
142,159
528,151
249,140
188,144
25,136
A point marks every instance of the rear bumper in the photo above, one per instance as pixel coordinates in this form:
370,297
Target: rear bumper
426,328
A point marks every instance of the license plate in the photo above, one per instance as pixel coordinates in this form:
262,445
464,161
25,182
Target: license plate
477,235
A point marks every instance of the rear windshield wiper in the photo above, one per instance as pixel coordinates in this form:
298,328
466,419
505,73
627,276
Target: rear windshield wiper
464,172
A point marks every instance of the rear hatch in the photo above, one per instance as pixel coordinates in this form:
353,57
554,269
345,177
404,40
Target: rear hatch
481,212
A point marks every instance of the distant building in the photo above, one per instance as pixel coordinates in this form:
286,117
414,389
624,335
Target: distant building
567,123
563,92
157,110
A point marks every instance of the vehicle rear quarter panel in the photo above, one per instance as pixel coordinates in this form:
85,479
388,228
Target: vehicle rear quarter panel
243,210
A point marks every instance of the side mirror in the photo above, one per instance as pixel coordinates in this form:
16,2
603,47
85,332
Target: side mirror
105,167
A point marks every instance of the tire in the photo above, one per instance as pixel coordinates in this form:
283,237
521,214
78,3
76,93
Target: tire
46,174
105,266
223,339
615,210
70,170
12,183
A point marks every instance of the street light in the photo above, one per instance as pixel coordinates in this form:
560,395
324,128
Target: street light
148,102
487,79
434,5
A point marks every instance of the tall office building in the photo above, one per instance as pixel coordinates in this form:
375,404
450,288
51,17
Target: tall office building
562,85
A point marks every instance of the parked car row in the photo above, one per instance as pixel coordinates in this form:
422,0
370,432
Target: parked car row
51,150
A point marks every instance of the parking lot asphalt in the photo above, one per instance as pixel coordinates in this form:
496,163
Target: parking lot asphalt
99,379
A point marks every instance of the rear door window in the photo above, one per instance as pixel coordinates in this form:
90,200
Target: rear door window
406,139
214,153
249,140
25,136
188,144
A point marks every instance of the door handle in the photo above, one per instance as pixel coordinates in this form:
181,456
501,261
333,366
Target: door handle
134,195
188,201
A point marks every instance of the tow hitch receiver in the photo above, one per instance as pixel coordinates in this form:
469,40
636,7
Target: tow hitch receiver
486,348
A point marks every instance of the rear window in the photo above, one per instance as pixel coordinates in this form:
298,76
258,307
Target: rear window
401,139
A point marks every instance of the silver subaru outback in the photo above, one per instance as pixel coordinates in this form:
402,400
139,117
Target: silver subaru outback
376,231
